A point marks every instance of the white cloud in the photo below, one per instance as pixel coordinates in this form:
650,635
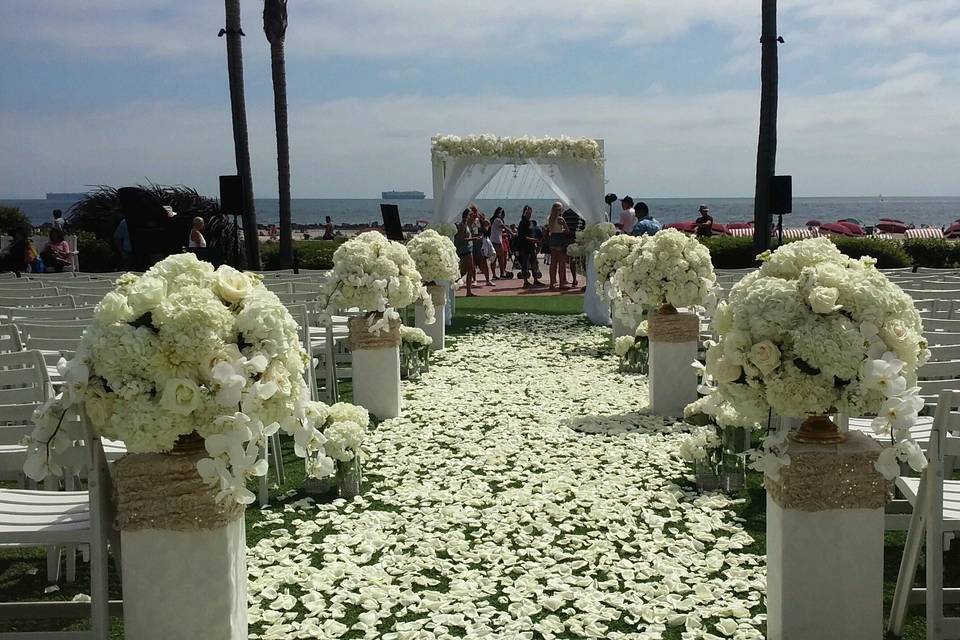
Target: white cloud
894,138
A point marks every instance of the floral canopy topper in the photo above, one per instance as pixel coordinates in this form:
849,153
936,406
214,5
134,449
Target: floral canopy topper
493,146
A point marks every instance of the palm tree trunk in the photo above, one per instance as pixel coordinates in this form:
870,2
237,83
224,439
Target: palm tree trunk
240,138
767,143
278,68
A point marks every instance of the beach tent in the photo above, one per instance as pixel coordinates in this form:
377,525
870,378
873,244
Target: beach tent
928,234
571,168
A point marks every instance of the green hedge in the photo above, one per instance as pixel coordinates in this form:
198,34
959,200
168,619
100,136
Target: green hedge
97,256
730,252
939,254
309,254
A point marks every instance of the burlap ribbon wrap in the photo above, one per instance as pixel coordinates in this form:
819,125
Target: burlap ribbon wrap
438,295
673,327
164,491
821,477
362,338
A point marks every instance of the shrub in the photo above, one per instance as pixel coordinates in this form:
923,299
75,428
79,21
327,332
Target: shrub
308,254
97,256
940,254
13,220
889,253
729,252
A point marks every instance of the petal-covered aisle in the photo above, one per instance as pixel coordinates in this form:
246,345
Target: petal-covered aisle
488,516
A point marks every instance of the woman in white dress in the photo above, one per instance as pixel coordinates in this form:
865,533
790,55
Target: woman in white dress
197,241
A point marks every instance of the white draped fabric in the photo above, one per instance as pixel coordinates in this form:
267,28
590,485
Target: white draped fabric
596,307
463,180
577,183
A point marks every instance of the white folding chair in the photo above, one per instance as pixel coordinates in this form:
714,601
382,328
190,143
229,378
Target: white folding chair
936,503
35,302
10,339
53,341
24,386
12,314
45,518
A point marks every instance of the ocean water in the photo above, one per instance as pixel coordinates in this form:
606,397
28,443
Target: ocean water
918,211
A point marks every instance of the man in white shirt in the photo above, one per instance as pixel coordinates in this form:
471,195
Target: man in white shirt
628,216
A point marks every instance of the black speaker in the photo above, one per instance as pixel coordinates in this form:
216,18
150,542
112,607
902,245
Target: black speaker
781,195
231,195
391,221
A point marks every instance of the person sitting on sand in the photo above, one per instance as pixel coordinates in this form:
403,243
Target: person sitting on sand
56,255
646,224
328,229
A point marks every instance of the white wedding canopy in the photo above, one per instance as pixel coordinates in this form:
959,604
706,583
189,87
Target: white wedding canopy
571,168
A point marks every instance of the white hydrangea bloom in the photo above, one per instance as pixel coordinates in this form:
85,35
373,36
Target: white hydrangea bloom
669,267
435,257
815,332
181,349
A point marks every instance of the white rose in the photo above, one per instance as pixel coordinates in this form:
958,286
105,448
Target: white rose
735,346
895,334
114,308
232,286
146,294
765,356
181,396
725,371
823,300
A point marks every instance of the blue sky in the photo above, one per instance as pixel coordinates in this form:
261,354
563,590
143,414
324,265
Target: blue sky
114,91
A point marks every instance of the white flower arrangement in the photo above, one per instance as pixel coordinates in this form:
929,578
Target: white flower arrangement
611,255
377,276
184,349
446,229
813,332
669,267
435,257
414,350
591,238
701,445
344,429
493,146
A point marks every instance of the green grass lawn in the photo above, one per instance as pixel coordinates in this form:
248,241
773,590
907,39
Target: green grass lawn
547,305
23,573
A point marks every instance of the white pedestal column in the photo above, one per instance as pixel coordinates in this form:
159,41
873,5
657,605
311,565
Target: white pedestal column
595,306
437,330
673,349
183,557
189,585
376,381
825,543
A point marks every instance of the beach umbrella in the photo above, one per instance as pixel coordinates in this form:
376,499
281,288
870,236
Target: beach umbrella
891,226
686,227
738,225
892,220
834,227
855,229
814,223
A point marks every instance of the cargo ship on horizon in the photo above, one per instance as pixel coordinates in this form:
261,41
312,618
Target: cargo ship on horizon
403,195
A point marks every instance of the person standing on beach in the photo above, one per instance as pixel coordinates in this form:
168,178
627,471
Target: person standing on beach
627,215
575,224
646,224
463,243
328,229
527,246
58,220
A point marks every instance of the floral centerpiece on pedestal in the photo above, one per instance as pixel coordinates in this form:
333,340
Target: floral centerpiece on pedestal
435,257
667,270
445,229
184,352
414,351
812,333
590,239
376,275
611,255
